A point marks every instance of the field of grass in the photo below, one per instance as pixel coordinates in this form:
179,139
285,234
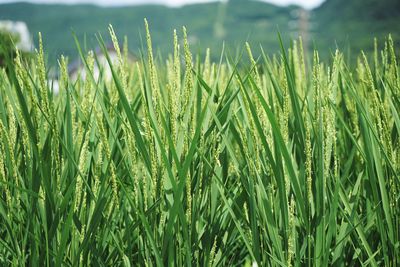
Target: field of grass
279,161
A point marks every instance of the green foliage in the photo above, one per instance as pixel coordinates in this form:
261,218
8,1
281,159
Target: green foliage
8,51
7,47
181,163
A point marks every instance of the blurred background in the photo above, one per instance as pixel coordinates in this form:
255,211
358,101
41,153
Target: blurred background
349,25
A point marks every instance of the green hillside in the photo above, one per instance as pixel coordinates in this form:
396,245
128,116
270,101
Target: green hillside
353,24
334,23
211,23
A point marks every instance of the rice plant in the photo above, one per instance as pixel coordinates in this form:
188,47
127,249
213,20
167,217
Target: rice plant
269,161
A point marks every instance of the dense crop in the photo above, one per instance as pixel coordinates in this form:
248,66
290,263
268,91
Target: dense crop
274,161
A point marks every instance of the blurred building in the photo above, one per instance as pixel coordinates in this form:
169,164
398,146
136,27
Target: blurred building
101,67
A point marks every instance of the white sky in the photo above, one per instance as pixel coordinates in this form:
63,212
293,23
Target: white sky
304,3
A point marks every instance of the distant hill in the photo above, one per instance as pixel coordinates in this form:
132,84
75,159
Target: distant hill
352,24
346,23
208,24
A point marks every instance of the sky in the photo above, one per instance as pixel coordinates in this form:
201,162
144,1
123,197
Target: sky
304,3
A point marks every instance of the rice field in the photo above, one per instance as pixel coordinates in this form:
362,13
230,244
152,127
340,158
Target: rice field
247,161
